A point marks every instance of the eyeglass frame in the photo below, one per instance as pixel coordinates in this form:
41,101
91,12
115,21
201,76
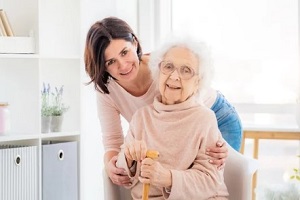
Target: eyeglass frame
177,68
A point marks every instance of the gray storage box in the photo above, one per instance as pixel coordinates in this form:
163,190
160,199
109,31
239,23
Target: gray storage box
18,173
59,171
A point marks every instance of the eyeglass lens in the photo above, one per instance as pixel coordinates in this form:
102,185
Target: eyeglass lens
185,72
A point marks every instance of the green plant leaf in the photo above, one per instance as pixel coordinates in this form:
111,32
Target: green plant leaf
295,170
292,177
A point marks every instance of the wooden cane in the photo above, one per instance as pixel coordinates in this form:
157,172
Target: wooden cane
150,154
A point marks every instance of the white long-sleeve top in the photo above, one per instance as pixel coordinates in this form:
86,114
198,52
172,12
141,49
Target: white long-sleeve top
180,133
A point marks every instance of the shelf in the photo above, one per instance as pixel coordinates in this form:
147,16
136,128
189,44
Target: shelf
16,56
17,136
59,135
37,56
49,53
26,136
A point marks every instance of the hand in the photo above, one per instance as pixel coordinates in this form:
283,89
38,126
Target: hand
154,173
135,150
218,154
117,175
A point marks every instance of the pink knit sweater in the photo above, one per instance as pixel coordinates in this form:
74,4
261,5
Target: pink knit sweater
180,133
120,102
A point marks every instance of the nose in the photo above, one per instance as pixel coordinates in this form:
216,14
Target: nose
175,75
122,63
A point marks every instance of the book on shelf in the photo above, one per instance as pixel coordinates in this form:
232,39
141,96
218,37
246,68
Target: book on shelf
2,29
6,29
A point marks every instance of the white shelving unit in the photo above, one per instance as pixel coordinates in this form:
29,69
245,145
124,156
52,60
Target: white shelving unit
55,27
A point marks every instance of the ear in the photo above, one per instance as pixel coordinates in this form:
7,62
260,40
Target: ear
135,43
197,85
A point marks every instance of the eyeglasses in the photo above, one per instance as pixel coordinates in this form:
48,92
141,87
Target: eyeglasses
185,72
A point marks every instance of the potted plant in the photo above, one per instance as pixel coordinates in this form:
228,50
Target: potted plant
57,109
52,109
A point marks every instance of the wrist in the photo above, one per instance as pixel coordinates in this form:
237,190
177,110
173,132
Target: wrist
168,180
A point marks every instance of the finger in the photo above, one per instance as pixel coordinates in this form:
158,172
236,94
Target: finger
148,161
144,180
112,166
217,162
216,156
222,149
120,179
220,143
131,149
222,166
145,174
127,153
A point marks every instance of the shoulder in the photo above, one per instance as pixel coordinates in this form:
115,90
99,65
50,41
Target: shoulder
205,113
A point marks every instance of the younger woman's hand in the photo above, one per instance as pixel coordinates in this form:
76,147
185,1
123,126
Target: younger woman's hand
117,175
218,154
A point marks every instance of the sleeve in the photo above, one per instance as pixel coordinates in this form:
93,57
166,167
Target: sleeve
134,171
202,180
110,121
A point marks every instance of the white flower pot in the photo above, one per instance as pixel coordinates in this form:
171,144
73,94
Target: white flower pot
45,124
56,123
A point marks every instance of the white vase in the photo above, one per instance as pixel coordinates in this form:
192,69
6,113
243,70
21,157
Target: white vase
56,123
45,124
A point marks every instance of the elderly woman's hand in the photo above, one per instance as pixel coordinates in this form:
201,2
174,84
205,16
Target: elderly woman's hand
154,173
218,154
135,150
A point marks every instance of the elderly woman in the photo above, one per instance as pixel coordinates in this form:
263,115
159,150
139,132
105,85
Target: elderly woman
179,127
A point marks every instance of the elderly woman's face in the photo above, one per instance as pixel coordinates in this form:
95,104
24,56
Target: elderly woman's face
178,85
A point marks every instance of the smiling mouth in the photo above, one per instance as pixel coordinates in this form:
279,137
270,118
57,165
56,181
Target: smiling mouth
173,87
126,73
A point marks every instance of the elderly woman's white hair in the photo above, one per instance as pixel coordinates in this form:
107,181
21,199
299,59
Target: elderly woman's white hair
200,49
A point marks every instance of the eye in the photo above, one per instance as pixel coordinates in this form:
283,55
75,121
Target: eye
186,70
168,66
124,52
110,62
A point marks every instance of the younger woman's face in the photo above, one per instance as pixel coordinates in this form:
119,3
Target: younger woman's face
121,60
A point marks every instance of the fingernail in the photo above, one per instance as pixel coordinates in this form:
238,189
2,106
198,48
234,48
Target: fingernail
207,153
207,149
210,161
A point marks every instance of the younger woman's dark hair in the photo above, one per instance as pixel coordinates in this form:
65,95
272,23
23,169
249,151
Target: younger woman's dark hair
98,38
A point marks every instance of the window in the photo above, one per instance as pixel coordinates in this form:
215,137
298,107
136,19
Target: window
254,45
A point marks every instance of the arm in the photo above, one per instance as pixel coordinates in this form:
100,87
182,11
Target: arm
112,138
132,152
200,181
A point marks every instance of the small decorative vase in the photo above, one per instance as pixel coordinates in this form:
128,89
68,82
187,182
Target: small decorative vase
56,123
46,122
